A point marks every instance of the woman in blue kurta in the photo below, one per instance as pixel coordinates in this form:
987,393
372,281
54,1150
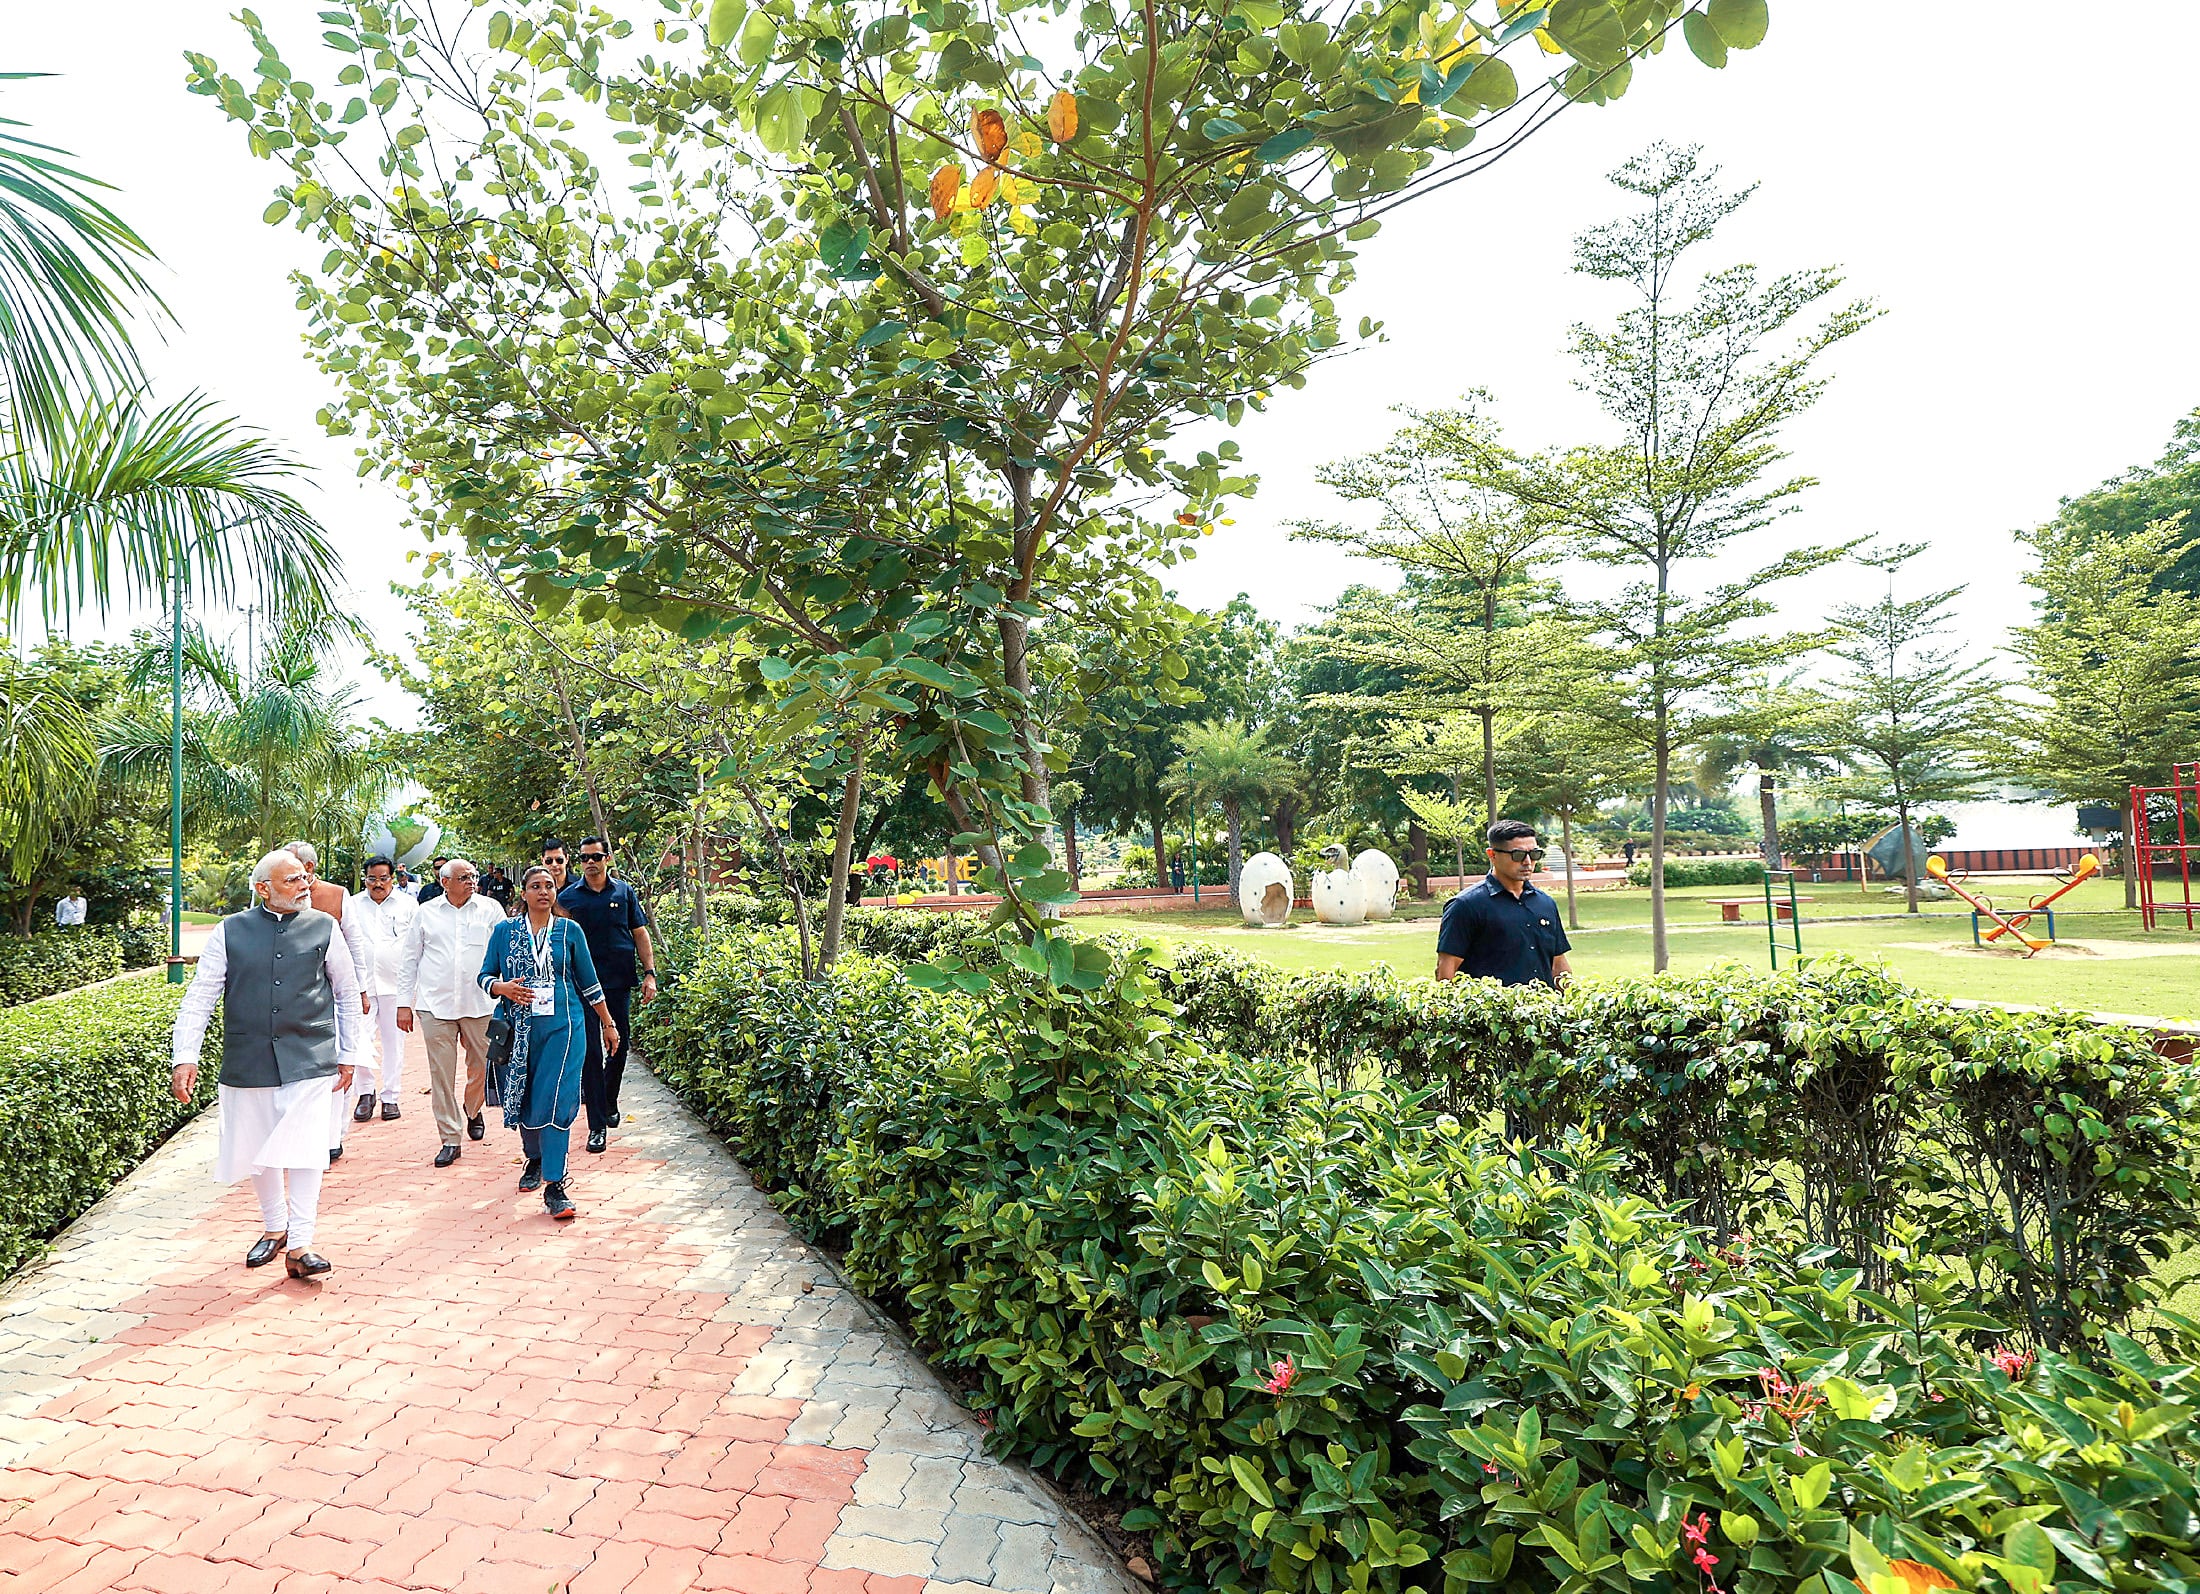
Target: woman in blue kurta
538,966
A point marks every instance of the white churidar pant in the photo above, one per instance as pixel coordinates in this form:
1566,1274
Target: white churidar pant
390,1046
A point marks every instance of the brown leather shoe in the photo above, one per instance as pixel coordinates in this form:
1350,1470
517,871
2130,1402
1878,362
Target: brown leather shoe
306,1265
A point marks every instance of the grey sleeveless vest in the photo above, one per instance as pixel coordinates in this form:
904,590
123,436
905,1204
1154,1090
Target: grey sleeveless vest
278,1008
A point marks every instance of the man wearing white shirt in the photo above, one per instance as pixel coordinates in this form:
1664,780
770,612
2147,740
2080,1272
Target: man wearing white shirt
290,1031
70,909
384,915
438,986
328,897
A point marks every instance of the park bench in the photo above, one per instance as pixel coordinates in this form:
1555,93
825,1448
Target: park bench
1730,908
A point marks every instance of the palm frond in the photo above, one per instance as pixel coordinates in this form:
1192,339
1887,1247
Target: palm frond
128,495
49,765
68,268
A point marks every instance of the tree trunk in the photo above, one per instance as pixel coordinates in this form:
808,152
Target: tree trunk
1160,850
580,750
1069,850
1489,763
1566,841
1909,851
844,840
1417,858
2127,854
1287,825
702,856
1767,787
1230,815
1663,771
954,886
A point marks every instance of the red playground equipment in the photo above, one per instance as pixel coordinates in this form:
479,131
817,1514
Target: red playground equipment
2158,813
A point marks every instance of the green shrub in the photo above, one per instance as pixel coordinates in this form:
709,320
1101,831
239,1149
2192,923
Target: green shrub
1330,1339
1700,872
83,1098
38,965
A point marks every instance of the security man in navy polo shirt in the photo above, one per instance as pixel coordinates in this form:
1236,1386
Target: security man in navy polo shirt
616,927
1505,929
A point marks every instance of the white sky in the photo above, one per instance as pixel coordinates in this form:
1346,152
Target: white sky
2014,196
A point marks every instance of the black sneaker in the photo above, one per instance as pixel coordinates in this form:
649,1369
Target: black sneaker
559,1204
531,1176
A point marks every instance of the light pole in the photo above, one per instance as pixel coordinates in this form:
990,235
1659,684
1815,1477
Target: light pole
175,784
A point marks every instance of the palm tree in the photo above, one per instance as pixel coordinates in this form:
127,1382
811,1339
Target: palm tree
1229,762
103,496
49,769
267,755
1775,731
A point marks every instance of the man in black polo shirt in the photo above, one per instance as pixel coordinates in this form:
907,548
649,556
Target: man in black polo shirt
616,927
1505,929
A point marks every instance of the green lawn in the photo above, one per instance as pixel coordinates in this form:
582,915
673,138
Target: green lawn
2103,961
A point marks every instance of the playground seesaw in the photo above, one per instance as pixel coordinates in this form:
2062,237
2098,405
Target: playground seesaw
2088,865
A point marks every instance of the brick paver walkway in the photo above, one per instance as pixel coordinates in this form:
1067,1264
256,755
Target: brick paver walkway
670,1393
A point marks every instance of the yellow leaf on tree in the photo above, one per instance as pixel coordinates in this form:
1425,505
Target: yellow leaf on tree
991,133
1062,116
983,187
946,183
1012,192
1027,143
1550,45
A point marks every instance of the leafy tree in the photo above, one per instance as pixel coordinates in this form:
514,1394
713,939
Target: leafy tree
1773,734
1700,384
49,772
1565,767
1223,667
2113,663
990,271
1471,639
1906,717
1228,762
2125,505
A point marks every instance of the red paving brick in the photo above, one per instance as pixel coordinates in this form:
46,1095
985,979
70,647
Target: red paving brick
478,1400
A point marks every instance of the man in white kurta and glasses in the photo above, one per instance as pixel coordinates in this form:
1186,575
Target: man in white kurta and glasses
291,1028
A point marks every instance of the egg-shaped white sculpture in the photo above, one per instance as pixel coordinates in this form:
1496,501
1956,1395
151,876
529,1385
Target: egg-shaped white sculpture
1378,882
1264,891
1340,896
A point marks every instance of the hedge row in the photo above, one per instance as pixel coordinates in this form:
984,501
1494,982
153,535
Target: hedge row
1700,872
83,1098
2051,1162
38,965
1333,1339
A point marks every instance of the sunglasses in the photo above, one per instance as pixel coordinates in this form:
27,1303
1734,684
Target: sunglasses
594,857
1524,855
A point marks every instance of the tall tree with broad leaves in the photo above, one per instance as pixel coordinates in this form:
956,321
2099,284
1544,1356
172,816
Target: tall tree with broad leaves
1699,380
881,346
1565,767
1908,715
1772,735
2127,503
2112,664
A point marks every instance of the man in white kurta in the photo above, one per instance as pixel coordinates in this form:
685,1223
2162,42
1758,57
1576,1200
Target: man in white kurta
439,986
331,898
384,913
291,1027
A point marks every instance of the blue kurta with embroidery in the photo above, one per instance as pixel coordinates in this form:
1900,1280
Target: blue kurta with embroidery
542,1087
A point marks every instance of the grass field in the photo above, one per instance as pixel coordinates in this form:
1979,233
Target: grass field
2103,960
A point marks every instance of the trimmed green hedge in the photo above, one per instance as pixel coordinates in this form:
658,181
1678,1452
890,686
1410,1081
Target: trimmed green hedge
1700,872
83,1098
38,965
1324,1340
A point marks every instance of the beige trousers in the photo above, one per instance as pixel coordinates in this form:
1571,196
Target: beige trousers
441,1037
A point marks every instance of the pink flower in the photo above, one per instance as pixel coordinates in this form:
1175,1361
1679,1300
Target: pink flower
1490,1467
1281,1377
2013,1364
1705,1560
1695,1532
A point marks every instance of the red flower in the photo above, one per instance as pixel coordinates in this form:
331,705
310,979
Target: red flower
1281,1377
1489,1467
1695,1532
2013,1364
1706,1560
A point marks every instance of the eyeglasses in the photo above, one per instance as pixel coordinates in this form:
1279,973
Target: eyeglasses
594,857
1523,855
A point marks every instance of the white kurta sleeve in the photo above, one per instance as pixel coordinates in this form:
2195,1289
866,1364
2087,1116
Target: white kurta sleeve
351,1030
359,941
408,959
200,998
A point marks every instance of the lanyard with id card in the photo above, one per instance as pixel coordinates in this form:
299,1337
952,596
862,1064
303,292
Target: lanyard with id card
545,981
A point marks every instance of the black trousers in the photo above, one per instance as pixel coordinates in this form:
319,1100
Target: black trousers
601,1076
